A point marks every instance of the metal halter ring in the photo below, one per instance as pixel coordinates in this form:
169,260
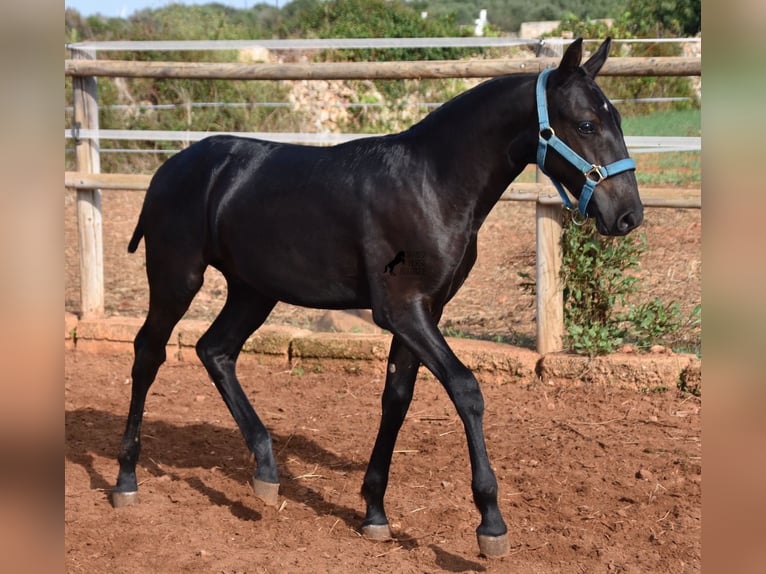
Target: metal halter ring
595,174
578,218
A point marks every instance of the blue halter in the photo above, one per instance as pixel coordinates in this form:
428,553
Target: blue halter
594,174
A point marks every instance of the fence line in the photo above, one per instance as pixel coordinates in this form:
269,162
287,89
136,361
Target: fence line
628,67
349,105
345,43
84,68
636,144
543,193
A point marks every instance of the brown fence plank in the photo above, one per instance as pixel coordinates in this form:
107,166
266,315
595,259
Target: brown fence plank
660,66
542,192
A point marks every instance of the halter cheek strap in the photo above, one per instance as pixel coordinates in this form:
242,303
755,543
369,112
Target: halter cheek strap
594,174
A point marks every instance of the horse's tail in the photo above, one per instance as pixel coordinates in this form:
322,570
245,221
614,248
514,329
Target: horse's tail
138,233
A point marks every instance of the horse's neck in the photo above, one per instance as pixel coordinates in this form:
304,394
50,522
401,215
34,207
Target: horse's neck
485,138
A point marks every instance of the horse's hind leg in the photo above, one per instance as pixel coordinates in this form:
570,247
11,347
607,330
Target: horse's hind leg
218,349
172,286
397,395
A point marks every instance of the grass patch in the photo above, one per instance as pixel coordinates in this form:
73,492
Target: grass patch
682,123
515,339
676,169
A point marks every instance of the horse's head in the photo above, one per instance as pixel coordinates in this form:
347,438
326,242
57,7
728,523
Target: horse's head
581,142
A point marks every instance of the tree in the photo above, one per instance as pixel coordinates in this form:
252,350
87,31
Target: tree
660,18
368,19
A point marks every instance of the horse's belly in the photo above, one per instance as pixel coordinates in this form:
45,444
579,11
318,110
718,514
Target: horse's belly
321,274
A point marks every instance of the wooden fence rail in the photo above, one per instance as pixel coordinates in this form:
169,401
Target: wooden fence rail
84,68
659,66
543,193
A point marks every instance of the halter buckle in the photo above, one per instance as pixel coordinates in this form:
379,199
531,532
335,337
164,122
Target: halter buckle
595,174
547,133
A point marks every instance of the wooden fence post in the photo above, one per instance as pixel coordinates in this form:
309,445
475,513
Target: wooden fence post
550,298
85,100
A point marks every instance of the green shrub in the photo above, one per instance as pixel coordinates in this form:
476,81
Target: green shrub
369,19
600,287
630,25
594,285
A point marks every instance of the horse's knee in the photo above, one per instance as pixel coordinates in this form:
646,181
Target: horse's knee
467,396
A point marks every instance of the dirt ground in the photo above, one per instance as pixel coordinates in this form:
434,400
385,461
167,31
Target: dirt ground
592,478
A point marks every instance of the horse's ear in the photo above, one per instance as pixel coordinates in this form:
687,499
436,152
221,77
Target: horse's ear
572,57
594,63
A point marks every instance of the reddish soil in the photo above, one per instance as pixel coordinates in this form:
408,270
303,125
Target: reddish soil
593,478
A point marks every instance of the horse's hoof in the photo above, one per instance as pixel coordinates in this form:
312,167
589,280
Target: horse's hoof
493,546
266,491
378,532
120,499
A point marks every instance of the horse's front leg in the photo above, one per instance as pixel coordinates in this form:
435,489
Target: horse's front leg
397,395
417,329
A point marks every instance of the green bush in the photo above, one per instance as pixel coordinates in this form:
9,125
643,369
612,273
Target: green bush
594,284
369,19
600,287
643,19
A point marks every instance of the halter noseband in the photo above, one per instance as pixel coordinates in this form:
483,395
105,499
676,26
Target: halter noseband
594,174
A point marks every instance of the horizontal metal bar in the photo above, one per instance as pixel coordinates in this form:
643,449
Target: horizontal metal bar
637,144
303,44
340,43
349,105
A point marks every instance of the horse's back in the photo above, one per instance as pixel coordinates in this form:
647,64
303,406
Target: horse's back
188,189
189,173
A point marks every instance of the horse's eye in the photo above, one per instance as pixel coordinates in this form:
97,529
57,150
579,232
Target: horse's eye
586,128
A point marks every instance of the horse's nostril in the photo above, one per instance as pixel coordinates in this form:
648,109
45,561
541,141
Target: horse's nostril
628,221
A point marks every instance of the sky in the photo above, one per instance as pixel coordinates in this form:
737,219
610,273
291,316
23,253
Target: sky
125,8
